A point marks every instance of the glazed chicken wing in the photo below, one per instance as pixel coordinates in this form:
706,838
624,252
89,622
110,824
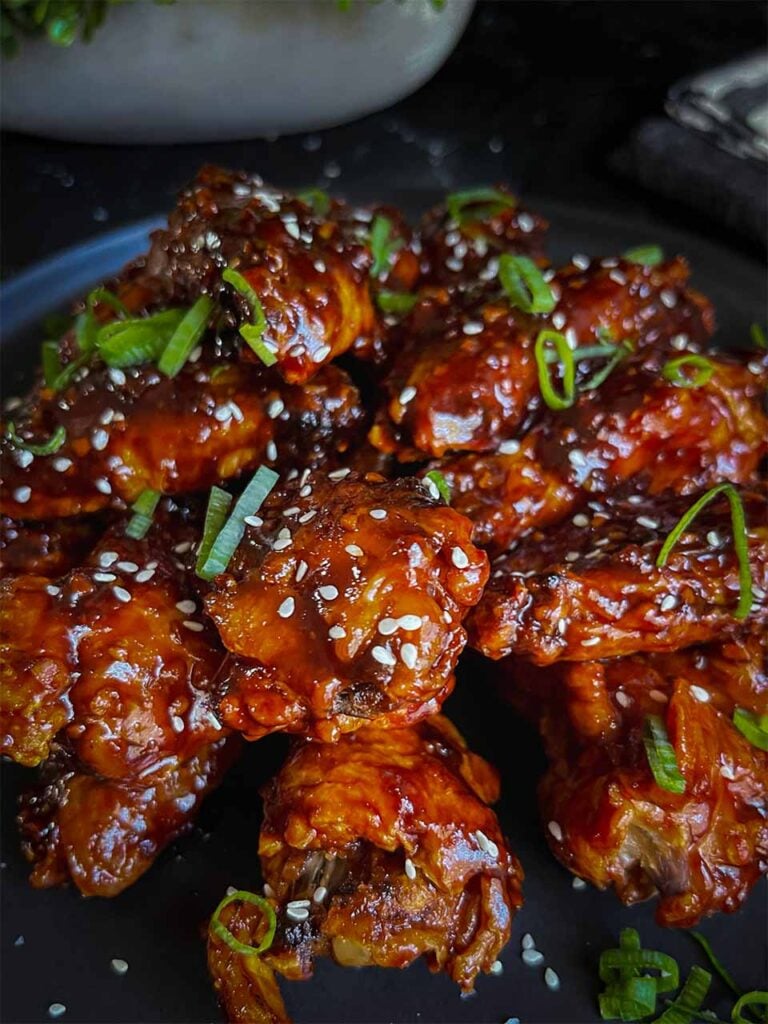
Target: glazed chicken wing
344,607
591,588
609,820
377,850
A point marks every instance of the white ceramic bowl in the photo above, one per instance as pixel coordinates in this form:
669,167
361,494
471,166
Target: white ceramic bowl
200,70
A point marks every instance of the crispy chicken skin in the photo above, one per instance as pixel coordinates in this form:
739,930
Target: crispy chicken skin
377,850
344,607
467,377
49,548
113,665
590,587
136,429
701,851
637,428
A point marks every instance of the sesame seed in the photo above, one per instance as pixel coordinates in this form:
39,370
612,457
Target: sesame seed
410,869
485,844
668,603
103,485
269,892
378,513
354,550
713,539
292,228
282,543
253,521
407,394
580,260
55,591
387,626
551,980
623,699
121,594
432,488
497,967
580,520
286,609
308,516
558,320
651,524
275,408
658,696
337,632
526,223
532,957
177,723
339,474
328,593
22,494
459,558
571,556
700,694
528,941
194,627
555,830
296,904
509,448
292,511
301,571
23,457
119,966
679,341
562,626
322,353
19,940
296,913
271,451
668,298
755,367
409,622
473,327
128,566
319,266
577,459
409,654
104,577
590,641
99,440
383,656
56,1010
107,558
183,547
578,884
61,464
305,491
617,277
116,376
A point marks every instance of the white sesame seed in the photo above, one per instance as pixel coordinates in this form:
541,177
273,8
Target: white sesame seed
292,228
296,904
183,547
617,277
269,892
571,556
700,694
116,376
145,575
551,979
296,913
409,654
292,511
668,603
193,627
128,566
19,941
121,594
320,354
409,622
578,884
555,831
623,699
337,632
497,967
580,260
354,550
55,591
407,395
668,298
282,543
319,266
387,626
99,440
526,223
253,521
558,320
286,609
755,367
378,513
532,957
22,494
577,459
483,841
56,1010
590,641
509,447
328,593
562,626
410,868
528,941
23,458
119,966
658,696
473,327
339,474
319,894
679,341
275,408
271,451
580,520
104,577
107,558
103,485
383,656
61,464
651,524
713,539
301,571
459,558
177,723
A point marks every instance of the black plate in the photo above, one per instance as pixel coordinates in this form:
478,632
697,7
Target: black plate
157,926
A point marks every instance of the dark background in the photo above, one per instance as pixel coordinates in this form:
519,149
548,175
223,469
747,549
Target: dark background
537,94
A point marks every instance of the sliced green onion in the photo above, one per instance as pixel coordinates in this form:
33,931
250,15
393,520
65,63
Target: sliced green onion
86,330
49,357
221,931
753,727
673,371
620,352
251,333
383,244
123,343
629,1001
478,203
647,255
219,502
563,349
316,199
185,337
524,284
623,963
739,527
104,297
396,302
749,999
68,372
441,484
703,941
661,755
687,1006
143,511
54,442
231,533
757,334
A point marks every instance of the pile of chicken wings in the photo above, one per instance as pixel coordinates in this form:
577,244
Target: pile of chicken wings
462,444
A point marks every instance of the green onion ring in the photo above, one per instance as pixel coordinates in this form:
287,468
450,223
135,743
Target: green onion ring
661,755
221,931
673,371
524,284
687,1006
251,333
54,442
143,510
646,255
489,202
396,302
183,340
219,502
231,533
564,351
383,244
316,199
754,998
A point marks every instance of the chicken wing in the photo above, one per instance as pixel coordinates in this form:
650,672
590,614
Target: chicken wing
590,588
344,606
377,850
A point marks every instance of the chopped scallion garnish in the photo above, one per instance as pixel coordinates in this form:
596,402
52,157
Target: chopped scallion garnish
51,362
757,334
661,755
54,442
86,324
318,200
231,533
753,727
219,502
568,369
384,244
675,371
442,485
253,332
143,510
687,1006
629,995
750,999
477,204
183,340
647,255
221,931
123,343
396,302
716,964
739,527
104,297
619,353
524,284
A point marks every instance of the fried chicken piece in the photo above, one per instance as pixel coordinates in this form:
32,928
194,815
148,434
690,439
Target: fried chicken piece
114,664
377,850
49,548
136,429
467,377
638,428
590,588
344,607
103,834
609,820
